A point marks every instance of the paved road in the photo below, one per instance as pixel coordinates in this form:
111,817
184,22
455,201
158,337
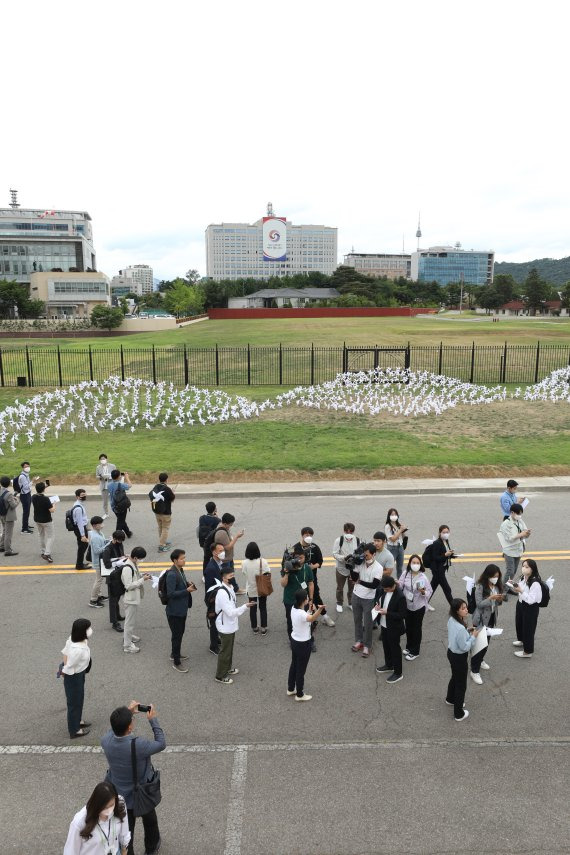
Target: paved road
364,768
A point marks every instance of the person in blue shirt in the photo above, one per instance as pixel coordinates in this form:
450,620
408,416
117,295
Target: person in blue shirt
460,640
118,480
509,498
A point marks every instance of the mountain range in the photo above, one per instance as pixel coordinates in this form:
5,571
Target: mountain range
556,271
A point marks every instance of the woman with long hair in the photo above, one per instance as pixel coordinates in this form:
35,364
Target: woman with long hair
460,640
76,664
101,827
254,565
488,598
417,590
529,589
301,620
395,533
442,553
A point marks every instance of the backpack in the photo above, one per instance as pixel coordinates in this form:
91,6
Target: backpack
545,595
471,601
69,521
157,505
16,484
162,595
121,502
203,531
208,541
211,612
115,581
427,556
3,505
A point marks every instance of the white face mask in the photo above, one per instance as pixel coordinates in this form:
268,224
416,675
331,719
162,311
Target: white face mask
106,814
89,631
103,460
26,468
308,539
348,536
517,516
415,567
494,581
393,518
221,555
445,535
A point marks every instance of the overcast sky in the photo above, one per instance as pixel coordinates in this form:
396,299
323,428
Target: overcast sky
160,118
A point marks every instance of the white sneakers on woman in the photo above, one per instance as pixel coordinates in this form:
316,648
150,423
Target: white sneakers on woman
476,678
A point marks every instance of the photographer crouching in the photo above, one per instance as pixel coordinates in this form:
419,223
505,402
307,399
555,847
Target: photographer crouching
366,573
296,575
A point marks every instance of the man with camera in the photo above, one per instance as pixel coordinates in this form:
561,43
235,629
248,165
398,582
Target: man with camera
117,747
296,574
367,574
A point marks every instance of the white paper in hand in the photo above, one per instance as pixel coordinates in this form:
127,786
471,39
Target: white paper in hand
469,583
494,630
155,581
524,503
480,641
550,582
427,541
54,500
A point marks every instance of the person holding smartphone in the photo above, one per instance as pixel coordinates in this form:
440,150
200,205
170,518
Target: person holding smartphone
488,597
302,616
529,590
460,640
179,592
101,827
442,553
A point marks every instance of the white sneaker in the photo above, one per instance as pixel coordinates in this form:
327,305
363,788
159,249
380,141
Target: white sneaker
304,697
132,649
327,621
485,667
517,644
411,656
522,655
430,608
476,678
339,609
105,516
135,638
350,607
405,651
294,692
464,716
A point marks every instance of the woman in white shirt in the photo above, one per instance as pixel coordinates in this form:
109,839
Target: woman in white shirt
301,621
254,565
101,827
76,664
395,533
529,590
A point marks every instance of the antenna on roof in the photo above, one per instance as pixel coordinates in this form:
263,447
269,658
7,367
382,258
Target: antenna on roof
419,231
269,209
403,245
14,198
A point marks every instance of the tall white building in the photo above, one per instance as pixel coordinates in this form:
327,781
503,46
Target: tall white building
235,251
141,276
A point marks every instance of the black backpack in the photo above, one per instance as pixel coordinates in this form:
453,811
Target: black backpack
69,521
545,595
203,530
209,539
3,505
427,556
158,505
116,586
16,484
471,601
162,595
121,501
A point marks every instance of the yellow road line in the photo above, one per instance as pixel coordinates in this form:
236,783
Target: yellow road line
196,566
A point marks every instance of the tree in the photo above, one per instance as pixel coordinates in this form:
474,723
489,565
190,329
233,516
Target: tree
505,285
452,294
192,276
183,299
535,291
106,317
489,298
151,301
123,305
565,296
15,302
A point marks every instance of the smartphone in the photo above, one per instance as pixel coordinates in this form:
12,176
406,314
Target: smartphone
47,483
144,708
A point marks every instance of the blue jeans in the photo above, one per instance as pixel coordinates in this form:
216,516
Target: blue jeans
398,553
74,685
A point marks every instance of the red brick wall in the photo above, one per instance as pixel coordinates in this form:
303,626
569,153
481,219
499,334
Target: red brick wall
401,312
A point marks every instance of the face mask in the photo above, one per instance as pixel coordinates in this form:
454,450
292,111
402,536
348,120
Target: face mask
445,535
348,536
308,539
415,567
517,516
89,632
393,518
221,555
103,460
494,581
107,814
26,468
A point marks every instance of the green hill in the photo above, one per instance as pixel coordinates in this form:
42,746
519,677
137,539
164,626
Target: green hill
553,270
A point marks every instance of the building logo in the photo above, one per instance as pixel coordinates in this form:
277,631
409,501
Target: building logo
274,238
274,235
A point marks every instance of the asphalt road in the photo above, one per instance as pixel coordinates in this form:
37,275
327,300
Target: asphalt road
364,768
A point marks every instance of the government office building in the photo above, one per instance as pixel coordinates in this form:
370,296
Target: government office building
35,241
446,264
380,264
235,251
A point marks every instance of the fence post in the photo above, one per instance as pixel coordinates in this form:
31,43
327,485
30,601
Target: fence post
91,364
280,364
185,366
440,363
28,366
312,364
248,365
122,364
504,373
407,360
1,368
537,362
153,366
344,358
472,363
217,366
59,367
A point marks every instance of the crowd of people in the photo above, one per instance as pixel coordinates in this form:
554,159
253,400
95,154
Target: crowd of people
373,580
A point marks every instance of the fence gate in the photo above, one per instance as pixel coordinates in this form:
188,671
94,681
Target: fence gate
368,358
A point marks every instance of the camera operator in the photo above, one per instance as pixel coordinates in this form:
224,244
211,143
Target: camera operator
343,549
367,574
314,558
296,575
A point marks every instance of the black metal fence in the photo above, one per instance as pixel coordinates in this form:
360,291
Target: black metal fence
276,365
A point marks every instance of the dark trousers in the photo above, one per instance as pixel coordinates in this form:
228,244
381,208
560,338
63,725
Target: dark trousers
151,832
439,579
458,683
414,622
114,609
478,658
300,655
81,550
262,612
74,685
317,601
177,626
392,651
526,617
214,634
122,524
288,607
26,503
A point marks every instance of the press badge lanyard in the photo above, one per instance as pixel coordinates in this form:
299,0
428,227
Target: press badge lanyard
107,837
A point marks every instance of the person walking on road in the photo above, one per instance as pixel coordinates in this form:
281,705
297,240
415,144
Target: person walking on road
441,555
117,744
43,510
509,498
76,664
179,592
513,534
8,503
133,583
254,565
417,591
161,498
460,640
488,598
111,555
118,487
103,475
301,619
79,517
101,826
227,615
97,544
396,531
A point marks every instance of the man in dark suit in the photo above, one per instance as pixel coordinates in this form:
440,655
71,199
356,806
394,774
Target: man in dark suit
179,593
392,609
213,576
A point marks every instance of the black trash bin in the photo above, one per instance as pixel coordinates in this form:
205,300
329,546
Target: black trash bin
22,381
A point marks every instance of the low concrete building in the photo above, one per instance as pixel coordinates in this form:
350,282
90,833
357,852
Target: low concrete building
70,295
294,297
392,265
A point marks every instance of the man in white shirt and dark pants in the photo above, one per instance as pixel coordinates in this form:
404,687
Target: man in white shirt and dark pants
227,614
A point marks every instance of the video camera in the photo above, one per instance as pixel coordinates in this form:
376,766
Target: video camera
290,561
356,558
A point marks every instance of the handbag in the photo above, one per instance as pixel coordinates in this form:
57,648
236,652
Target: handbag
405,541
147,795
263,583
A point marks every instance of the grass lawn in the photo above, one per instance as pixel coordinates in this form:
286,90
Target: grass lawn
451,329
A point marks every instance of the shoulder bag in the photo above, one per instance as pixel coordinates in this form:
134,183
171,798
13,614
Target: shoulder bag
263,582
147,795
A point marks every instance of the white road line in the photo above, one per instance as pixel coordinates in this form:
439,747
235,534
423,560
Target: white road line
236,804
549,742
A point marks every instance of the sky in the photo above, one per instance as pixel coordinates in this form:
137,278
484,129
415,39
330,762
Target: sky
160,118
